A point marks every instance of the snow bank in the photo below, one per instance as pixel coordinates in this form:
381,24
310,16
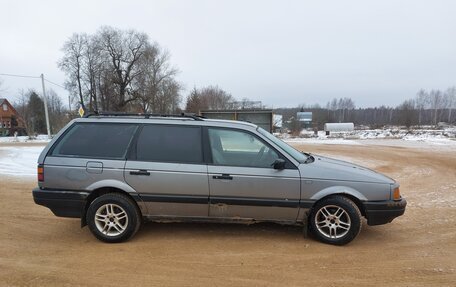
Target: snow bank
37,139
443,137
321,141
19,161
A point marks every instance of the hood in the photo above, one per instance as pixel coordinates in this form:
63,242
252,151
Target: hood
333,169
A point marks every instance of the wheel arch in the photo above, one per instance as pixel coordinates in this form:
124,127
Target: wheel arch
345,191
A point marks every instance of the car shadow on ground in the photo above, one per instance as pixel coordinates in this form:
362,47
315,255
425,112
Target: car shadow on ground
262,230
214,230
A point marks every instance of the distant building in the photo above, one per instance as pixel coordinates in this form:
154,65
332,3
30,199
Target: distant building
339,127
277,123
277,120
10,120
305,117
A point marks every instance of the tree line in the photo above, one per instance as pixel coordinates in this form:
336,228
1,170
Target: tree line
426,108
31,108
214,98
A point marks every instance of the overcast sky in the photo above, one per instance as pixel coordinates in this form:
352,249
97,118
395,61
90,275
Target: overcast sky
283,53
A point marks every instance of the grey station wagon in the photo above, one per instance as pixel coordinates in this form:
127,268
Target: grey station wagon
116,171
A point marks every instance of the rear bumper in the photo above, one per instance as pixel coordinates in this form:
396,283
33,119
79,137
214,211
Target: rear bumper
382,212
61,202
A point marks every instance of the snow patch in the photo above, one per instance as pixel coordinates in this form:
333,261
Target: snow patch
442,137
321,141
23,139
19,161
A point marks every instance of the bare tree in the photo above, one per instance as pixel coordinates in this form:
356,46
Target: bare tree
342,107
106,89
124,50
422,101
436,101
93,67
450,96
216,98
119,70
156,84
170,96
246,103
332,106
347,105
21,106
57,112
72,64
407,112
209,98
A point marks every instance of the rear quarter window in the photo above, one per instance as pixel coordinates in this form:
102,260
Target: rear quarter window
96,140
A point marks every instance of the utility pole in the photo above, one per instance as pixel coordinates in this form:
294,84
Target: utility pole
45,107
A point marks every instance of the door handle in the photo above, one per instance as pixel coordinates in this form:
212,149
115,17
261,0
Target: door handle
140,172
223,176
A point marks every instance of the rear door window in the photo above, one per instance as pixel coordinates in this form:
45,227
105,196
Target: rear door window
96,140
166,143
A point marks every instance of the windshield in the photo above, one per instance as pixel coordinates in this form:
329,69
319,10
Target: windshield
287,148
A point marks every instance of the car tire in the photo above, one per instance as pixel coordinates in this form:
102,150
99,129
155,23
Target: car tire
113,217
335,220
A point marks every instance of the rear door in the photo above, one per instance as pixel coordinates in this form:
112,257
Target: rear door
167,169
242,181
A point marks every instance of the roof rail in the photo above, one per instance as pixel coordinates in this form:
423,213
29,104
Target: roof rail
145,115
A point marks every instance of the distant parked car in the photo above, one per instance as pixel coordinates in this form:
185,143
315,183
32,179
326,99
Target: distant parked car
114,172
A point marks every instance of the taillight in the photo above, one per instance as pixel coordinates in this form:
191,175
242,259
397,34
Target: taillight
40,173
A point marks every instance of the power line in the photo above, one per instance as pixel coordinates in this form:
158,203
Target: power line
32,77
55,84
19,76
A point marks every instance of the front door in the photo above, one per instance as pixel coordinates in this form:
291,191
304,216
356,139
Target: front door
242,181
166,168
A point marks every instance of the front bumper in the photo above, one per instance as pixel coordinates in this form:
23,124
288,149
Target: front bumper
61,202
382,212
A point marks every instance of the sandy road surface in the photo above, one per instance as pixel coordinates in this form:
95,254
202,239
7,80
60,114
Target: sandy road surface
418,249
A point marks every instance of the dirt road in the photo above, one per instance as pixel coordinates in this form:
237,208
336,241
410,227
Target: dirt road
417,249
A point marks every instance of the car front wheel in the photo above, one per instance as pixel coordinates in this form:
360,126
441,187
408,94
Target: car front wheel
335,220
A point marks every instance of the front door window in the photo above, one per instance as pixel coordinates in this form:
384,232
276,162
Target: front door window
238,148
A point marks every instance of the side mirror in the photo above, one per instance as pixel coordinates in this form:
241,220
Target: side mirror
279,164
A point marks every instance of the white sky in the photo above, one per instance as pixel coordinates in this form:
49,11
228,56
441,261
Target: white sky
283,53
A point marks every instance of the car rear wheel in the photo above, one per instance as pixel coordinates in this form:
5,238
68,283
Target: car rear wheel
335,220
113,217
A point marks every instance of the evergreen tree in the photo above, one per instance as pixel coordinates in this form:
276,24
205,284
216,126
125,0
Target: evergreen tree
37,120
